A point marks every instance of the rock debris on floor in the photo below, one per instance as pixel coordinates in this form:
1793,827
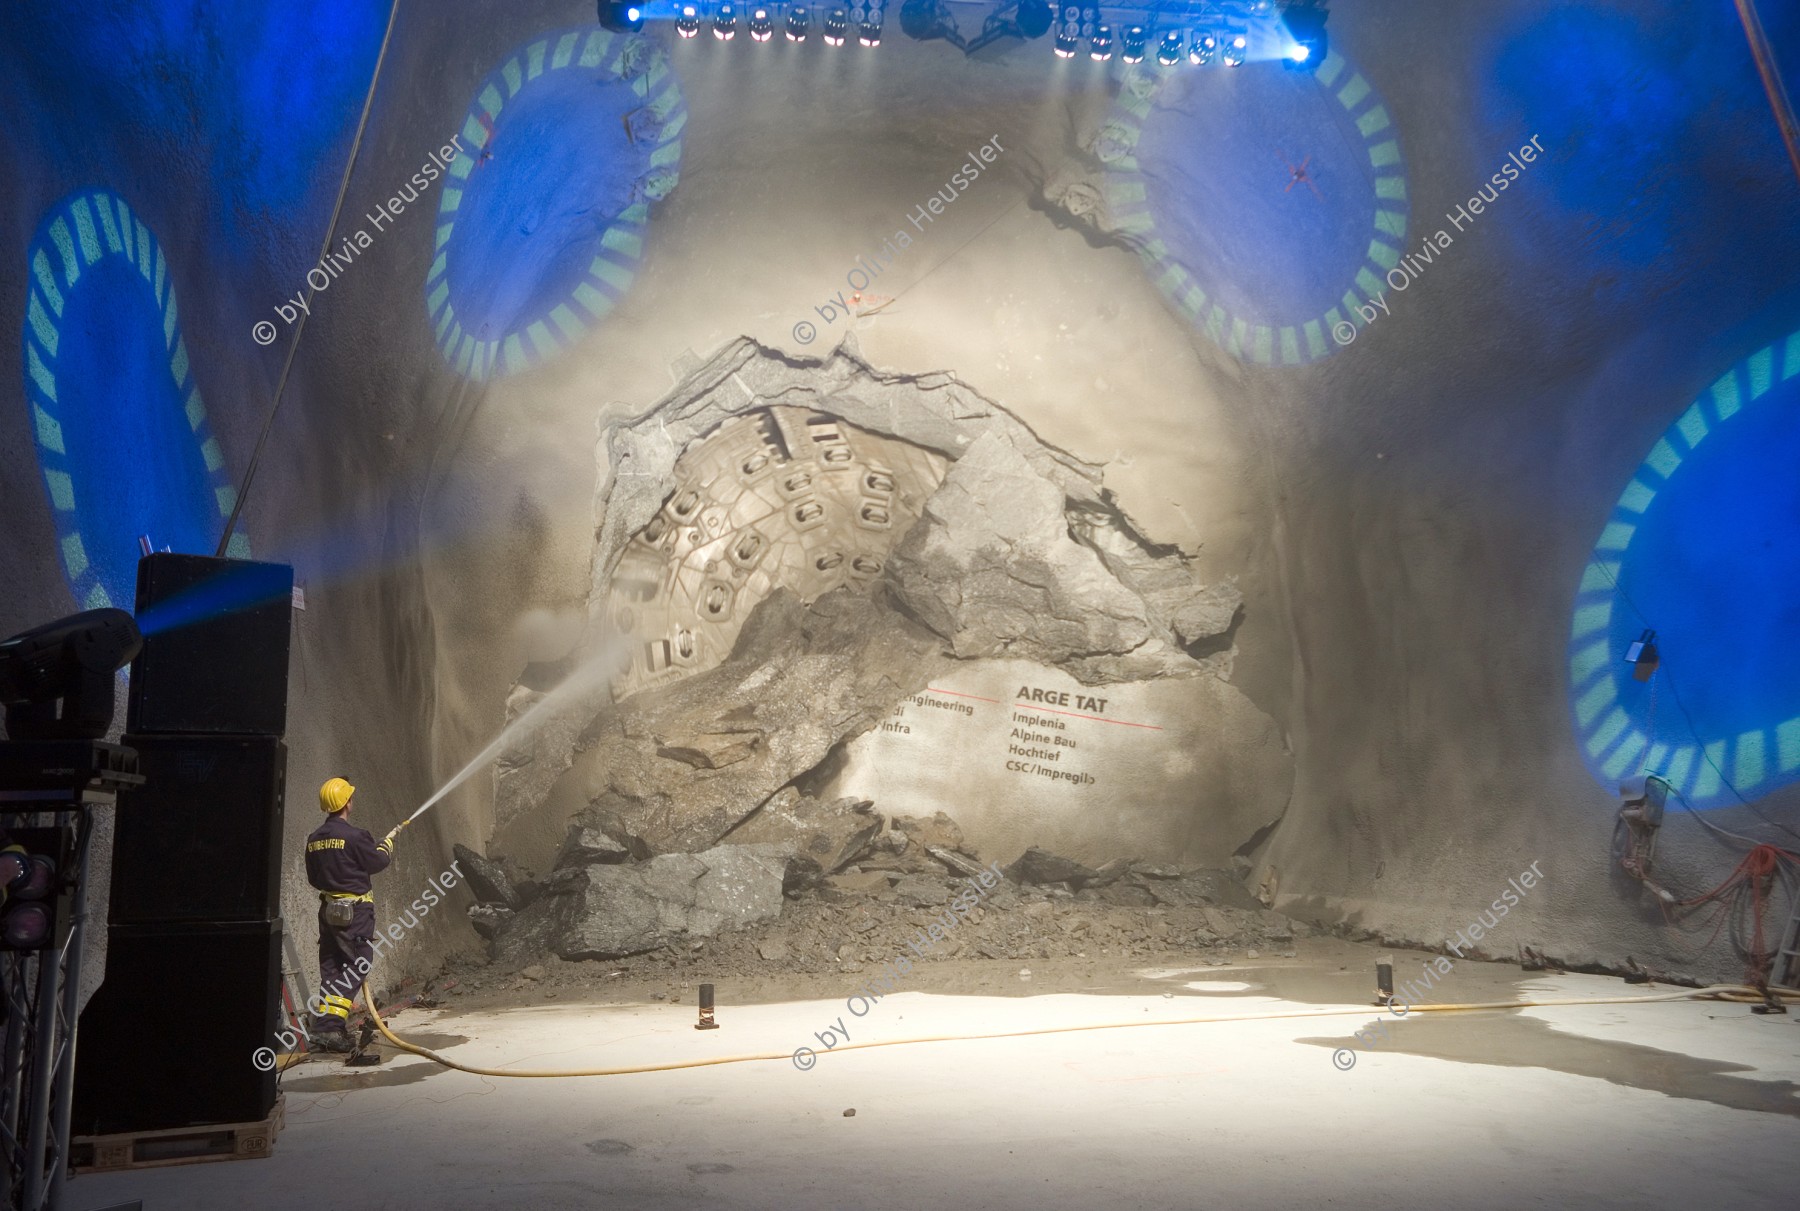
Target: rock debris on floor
767,909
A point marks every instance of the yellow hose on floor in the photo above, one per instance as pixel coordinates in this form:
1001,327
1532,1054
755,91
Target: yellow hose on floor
1722,992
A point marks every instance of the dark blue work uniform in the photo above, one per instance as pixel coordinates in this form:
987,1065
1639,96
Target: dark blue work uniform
340,857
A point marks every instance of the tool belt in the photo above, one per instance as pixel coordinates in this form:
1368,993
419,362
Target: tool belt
340,906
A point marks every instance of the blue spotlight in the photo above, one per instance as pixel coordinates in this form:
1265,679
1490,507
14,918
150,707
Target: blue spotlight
621,17
1102,44
687,21
869,25
1306,25
796,24
1235,48
725,23
1131,48
1169,52
837,24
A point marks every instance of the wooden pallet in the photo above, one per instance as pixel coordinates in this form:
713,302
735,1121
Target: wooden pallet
178,1145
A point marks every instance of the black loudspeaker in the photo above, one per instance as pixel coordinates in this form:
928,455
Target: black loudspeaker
201,839
169,1039
215,656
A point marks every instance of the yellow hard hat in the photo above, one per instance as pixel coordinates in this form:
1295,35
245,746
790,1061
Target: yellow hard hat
334,795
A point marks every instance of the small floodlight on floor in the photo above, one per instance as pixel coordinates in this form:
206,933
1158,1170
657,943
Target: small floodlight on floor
762,25
687,21
725,23
1168,53
837,25
796,24
1101,45
1068,40
707,1020
1131,46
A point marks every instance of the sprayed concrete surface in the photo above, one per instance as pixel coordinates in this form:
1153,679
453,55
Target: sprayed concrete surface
1410,517
1666,1105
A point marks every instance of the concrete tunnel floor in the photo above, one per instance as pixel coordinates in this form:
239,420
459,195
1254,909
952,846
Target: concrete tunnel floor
1678,1104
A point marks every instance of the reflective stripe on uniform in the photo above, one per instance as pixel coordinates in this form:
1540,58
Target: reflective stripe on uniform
363,897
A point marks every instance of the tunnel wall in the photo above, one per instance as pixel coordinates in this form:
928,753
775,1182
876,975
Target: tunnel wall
1446,522
1410,515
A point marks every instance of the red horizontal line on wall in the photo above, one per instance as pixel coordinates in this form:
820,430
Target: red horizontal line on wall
934,689
1033,706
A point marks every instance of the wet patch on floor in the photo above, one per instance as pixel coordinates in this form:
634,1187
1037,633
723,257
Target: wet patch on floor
1514,1041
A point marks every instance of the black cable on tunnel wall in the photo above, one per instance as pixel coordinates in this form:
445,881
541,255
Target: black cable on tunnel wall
337,209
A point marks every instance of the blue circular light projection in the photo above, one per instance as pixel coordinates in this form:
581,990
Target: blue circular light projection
1619,99
542,219
1266,203
122,434
1704,547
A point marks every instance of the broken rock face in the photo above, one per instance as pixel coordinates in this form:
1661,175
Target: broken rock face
1040,866
993,569
964,537
823,837
802,679
937,830
588,841
609,911
491,882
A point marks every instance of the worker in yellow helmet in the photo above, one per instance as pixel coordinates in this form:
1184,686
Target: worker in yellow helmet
340,857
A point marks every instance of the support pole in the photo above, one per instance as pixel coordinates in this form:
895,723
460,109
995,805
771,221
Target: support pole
43,1058
62,1095
14,1072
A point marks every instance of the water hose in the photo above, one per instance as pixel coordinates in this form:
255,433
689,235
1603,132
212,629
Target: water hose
1723,992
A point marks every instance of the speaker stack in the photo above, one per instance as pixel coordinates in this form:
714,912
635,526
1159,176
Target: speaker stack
193,962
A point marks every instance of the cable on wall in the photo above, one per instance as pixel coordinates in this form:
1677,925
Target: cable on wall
337,209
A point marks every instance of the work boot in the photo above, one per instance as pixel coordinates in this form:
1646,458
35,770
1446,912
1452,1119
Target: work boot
336,1041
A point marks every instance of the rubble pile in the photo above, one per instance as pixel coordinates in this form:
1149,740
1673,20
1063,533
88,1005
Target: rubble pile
815,887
